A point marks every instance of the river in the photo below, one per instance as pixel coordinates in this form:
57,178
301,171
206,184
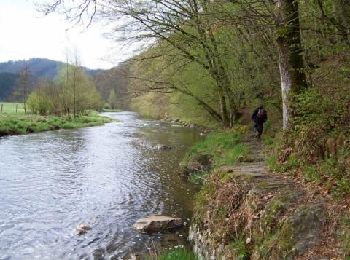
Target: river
106,177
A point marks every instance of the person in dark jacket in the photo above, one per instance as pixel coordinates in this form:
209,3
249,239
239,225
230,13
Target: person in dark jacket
259,117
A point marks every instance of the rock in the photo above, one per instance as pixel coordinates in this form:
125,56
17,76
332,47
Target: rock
82,229
162,147
154,224
199,162
134,257
307,222
248,240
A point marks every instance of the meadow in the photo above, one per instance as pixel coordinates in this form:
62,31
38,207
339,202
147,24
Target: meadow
11,108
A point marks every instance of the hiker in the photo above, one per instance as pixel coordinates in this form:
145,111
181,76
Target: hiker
259,117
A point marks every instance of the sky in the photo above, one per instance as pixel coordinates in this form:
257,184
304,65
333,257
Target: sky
26,33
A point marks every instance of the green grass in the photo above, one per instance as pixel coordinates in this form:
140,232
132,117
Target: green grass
240,248
175,254
10,108
12,124
226,147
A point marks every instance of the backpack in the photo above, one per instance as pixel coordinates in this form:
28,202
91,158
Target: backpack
261,113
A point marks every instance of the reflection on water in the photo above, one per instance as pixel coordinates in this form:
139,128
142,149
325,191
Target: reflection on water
106,177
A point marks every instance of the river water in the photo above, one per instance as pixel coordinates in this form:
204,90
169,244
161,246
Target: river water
106,177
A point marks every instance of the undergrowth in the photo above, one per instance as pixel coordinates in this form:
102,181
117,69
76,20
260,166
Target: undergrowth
318,146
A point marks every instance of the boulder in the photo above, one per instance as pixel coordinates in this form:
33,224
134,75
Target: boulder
82,229
155,224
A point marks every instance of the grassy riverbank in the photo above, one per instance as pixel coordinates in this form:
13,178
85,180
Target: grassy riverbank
16,124
217,149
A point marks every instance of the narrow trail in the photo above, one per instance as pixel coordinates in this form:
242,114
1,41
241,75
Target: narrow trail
254,164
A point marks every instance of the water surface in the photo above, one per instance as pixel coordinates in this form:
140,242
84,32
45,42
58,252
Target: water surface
106,177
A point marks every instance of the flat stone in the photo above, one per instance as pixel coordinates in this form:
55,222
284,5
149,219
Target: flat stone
154,224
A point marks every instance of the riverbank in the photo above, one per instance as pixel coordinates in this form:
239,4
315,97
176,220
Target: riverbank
13,124
244,211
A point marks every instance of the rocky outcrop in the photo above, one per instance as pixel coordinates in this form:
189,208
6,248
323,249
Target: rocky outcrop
155,224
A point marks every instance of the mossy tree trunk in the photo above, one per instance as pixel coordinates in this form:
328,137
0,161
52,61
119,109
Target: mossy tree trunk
291,64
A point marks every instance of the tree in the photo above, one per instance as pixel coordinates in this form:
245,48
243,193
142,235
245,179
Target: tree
77,90
291,64
190,29
112,99
23,85
185,27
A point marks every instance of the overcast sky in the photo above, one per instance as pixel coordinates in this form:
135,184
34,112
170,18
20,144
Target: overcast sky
25,34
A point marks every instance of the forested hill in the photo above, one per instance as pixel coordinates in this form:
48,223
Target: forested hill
37,69
40,68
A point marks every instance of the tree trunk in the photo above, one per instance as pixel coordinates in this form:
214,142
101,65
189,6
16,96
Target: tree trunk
224,113
291,64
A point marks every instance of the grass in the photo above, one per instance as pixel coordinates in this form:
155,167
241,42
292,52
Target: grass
225,147
12,124
175,254
240,248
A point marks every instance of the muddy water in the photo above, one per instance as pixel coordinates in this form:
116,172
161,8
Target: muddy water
106,177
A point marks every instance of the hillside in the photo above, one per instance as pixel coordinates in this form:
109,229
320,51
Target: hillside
38,69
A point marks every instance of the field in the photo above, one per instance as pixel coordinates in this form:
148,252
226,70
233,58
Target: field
10,108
